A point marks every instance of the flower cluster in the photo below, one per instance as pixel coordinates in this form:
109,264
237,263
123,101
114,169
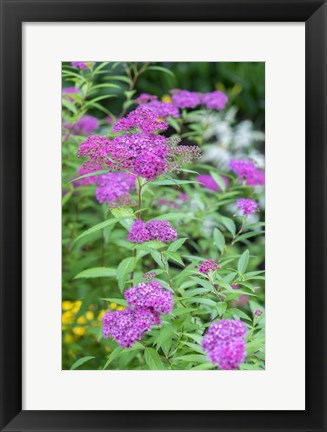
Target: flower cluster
209,182
83,65
163,109
161,230
215,100
87,168
114,186
246,170
146,301
70,90
225,343
145,97
144,153
208,266
247,206
84,126
185,98
143,118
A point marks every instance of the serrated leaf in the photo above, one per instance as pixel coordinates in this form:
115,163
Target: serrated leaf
152,359
175,257
243,262
81,361
219,240
96,228
96,272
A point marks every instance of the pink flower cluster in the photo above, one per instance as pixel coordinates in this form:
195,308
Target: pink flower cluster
87,168
247,206
146,301
246,169
161,109
84,126
215,100
144,153
208,266
114,186
225,343
161,230
143,118
70,90
82,65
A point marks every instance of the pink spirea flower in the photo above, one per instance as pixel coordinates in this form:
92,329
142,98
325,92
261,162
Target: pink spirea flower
215,100
145,97
142,118
246,169
225,343
207,266
185,98
138,232
82,65
128,326
161,230
150,296
163,109
113,186
95,147
258,312
85,125
209,182
247,206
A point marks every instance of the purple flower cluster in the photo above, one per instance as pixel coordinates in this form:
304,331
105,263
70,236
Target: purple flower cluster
208,266
146,301
246,169
84,126
87,168
185,98
114,186
143,118
209,182
258,312
247,206
225,343
150,296
162,109
215,100
82,65
145,97
161,230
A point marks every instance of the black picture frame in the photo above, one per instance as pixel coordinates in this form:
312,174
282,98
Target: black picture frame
16,12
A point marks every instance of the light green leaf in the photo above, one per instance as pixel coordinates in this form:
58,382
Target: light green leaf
81,361
96,272
229,224
174,246
123,271
219,180
161,69
96,228
243,261
152,359
219,240
112,356
121,302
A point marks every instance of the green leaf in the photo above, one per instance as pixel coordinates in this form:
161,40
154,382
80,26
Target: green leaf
112,356
229,224
219,180
165,334
249,235
175,257
152,359
95,173
174,246
96,272
254,346
219,240
96,228
193,358
81,361
174,216
97,99
161,69
125,215
123,271
203,366
243,261
69,105
121,302
221,308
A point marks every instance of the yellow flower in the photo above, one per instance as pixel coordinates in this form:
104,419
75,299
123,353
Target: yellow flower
67,317
121,307
67,305
81,320
76,306
68,338
89,315
101,314
79,331
113,305
166,98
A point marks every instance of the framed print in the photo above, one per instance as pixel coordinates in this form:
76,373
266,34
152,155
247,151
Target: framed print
163,215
